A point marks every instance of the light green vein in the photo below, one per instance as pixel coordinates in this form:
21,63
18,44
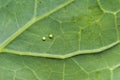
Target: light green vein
104,10
35,9
79,39
31,22
63,75
61,56
99,4
14,77
34,73
116,27
80,66
111,74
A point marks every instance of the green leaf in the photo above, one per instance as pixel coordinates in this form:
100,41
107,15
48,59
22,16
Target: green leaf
78,27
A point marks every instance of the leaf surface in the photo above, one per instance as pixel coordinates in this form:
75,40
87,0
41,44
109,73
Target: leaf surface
78,27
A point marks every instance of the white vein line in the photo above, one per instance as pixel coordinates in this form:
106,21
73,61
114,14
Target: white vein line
24,41
58,56
111,74
6,69
35,34
55,19
35,8
18,26
104,10
116,66
19,77
14,77
100,6
79,66
30,23
117,11
34,73
79,38
51,44
61,29
63,76
116,27
97,70
100,34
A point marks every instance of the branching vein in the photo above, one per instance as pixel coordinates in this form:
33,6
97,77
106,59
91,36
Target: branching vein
30,23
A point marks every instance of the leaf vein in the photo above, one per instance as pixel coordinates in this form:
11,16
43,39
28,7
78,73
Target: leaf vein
31,22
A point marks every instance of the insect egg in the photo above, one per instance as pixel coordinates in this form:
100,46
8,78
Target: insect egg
50,36
43,38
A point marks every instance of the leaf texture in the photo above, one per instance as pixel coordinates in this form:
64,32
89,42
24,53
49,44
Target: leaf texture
78,27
